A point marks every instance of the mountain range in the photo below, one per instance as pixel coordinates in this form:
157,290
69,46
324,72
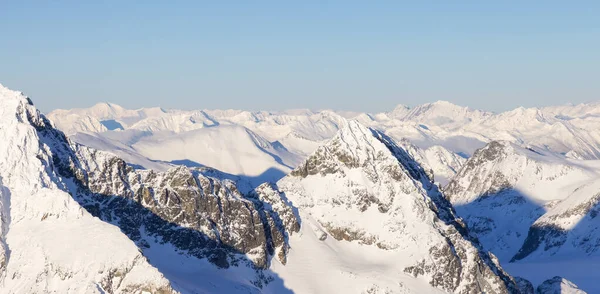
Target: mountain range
436,198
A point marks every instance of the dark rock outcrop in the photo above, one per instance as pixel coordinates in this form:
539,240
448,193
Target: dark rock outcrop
200,215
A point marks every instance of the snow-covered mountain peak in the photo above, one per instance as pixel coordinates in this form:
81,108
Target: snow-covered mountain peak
298,112
440,163
521,115
498,150
356,146
18,112
399,111
106,110
108,106
445,113
46,235
445,103
8,94
354,133
558,285
520,201
359,155
330,114
106,116
64,208
364,188
504,165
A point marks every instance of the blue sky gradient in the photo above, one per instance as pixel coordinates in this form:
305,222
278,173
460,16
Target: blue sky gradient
345,55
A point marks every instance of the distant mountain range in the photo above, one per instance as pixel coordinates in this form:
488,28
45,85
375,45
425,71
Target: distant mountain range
432,199
570,130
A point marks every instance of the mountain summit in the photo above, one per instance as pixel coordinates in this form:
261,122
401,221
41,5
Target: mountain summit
78,219
50,243
362,213
362,188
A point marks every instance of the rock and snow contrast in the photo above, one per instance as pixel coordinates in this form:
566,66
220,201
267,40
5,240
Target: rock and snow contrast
50,243
278,141
79,220
365,198
558,285
432,199
534,209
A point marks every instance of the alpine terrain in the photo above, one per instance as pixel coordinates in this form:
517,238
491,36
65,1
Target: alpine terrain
436,198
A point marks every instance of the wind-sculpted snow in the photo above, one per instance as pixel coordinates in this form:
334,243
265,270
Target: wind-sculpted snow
362,187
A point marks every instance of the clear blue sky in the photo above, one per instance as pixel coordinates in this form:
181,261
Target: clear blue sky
351,55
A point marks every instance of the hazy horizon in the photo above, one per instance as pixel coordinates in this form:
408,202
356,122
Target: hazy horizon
310,109
352,56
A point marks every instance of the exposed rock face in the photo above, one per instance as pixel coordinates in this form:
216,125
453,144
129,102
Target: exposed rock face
571,223
558,285
550,236
461,266
499,166
362,187
527,205
503,189
502,165
278,218
198,215
205,216
49,243
525,286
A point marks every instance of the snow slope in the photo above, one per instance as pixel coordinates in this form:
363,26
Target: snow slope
49,242
102,112
529,193
231,149
441,163
371,204
534,209
331,266
79,220
126,152
558,285
360,215
568,130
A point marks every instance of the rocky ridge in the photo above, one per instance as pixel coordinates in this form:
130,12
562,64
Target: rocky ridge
362,179
198,215
361,188
527,205
47,237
